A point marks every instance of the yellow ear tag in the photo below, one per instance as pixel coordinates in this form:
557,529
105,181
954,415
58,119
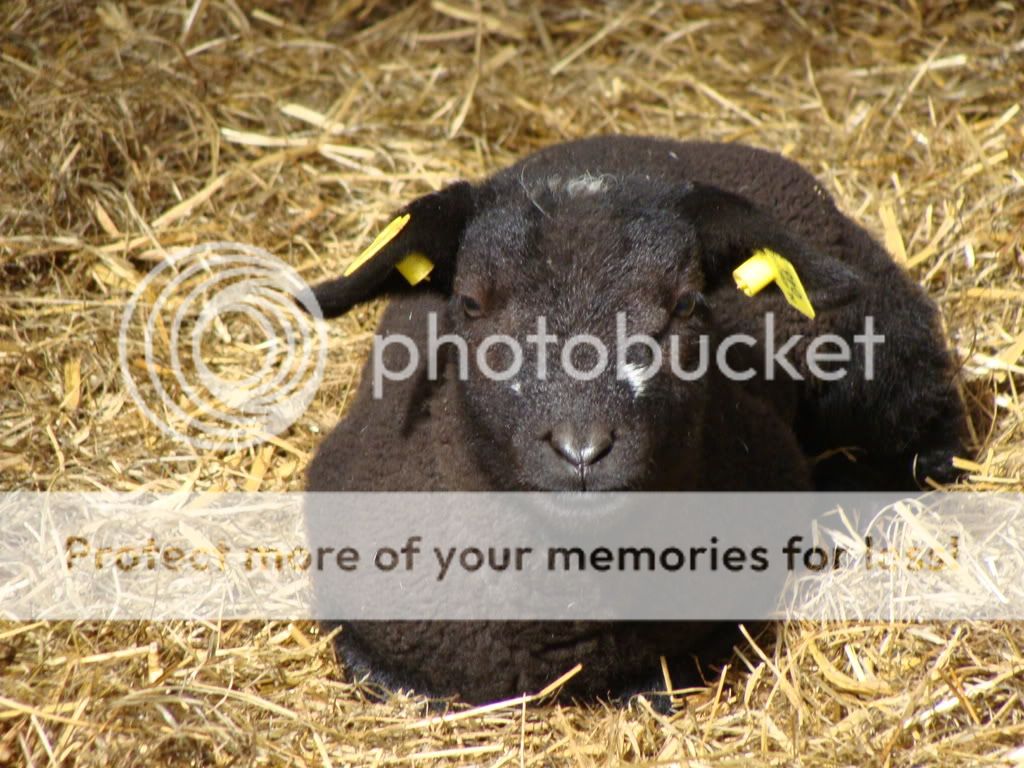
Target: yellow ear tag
414,267
766,266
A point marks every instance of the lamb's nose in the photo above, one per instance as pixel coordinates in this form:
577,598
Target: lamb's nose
582,450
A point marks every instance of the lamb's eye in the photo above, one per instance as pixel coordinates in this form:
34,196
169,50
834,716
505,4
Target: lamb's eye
470,306
688,303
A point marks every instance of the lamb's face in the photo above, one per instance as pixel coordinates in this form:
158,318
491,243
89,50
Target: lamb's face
559,273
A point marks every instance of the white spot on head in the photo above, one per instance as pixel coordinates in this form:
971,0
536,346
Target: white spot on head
636,376
587,184
516,387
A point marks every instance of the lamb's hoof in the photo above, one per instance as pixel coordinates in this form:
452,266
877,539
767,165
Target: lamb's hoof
661,701
936,464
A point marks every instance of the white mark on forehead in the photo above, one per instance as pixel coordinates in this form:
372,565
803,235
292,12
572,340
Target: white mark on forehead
516,387
636,377
558,186
587,184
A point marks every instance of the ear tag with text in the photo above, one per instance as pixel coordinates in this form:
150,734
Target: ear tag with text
414,267
766,266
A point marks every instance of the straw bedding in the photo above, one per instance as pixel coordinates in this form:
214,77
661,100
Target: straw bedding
127,129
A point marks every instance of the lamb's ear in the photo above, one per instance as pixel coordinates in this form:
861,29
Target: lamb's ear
430,235
732,229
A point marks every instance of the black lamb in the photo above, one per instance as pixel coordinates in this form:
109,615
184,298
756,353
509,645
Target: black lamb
649,230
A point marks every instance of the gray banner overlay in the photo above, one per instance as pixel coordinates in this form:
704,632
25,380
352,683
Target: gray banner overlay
512,556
